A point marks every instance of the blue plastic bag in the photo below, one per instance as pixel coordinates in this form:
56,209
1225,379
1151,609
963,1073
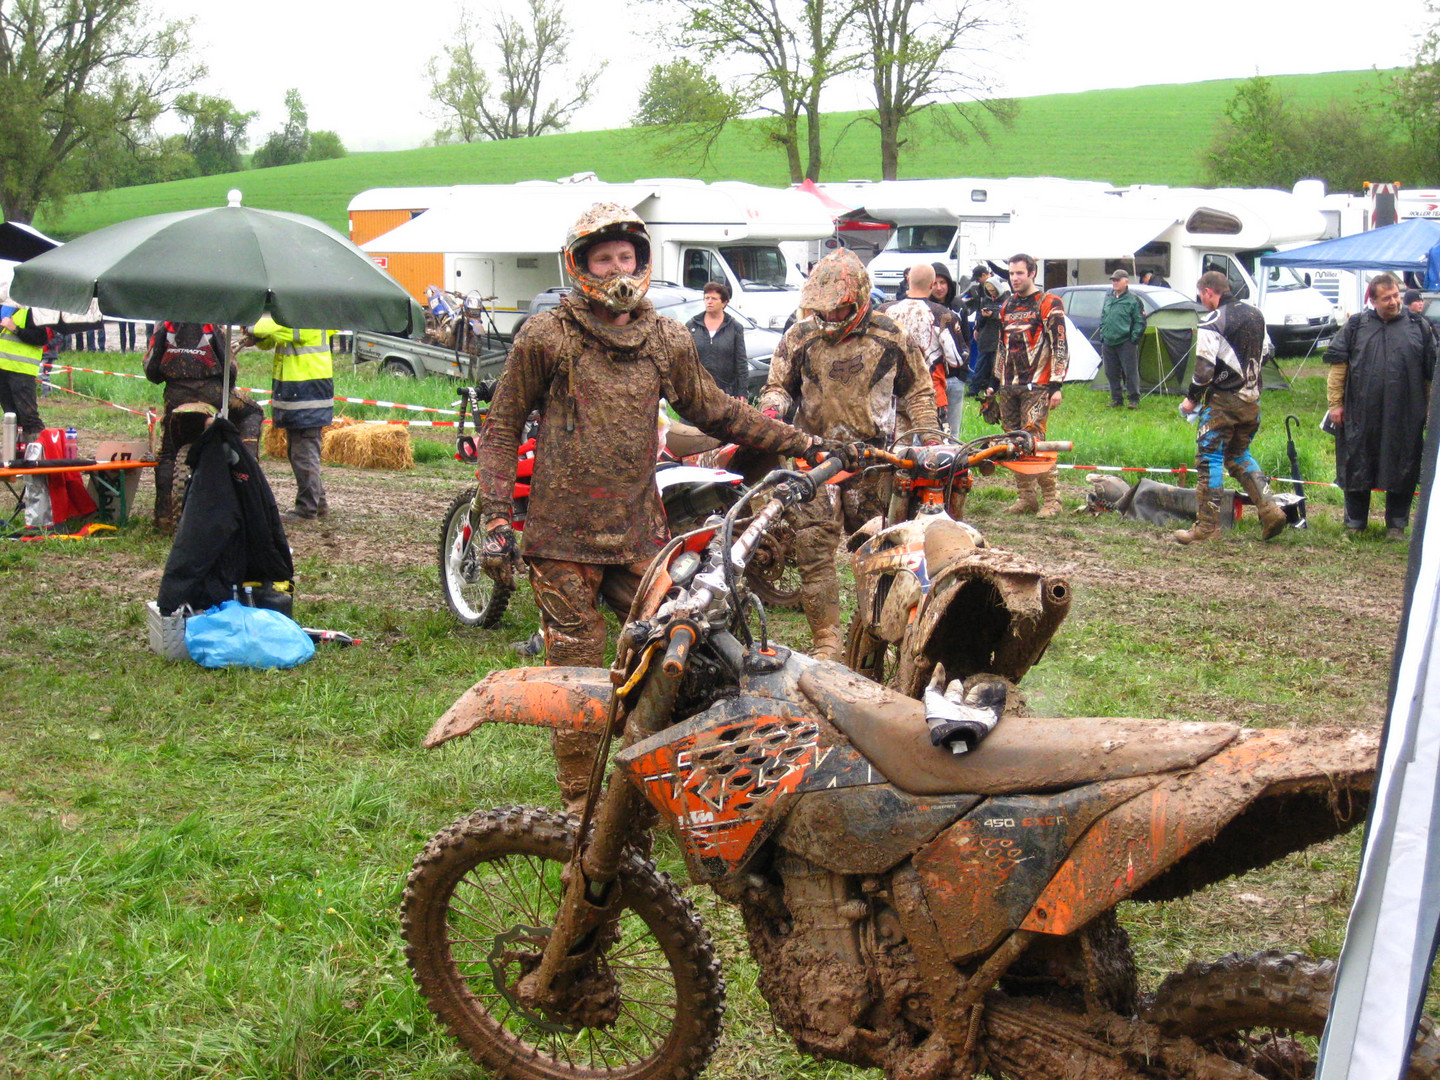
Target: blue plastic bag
233,635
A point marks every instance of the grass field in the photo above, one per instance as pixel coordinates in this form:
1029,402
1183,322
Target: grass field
202,870
1148,134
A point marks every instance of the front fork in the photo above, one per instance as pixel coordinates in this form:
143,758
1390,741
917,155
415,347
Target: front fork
591,897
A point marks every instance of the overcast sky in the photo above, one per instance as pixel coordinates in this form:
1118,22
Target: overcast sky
360,67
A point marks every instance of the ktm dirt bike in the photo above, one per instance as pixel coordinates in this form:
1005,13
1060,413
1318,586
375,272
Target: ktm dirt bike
911,615
692,487
907,908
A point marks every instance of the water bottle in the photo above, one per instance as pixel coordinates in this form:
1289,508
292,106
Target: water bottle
9,448
72,443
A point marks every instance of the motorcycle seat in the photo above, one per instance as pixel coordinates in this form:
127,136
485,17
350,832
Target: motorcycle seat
1022,754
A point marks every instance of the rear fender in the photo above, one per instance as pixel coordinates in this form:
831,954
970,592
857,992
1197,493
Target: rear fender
565,698
1267,794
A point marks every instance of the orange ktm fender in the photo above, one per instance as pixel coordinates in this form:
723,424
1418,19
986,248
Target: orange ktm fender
1266,794
1033,465
569,698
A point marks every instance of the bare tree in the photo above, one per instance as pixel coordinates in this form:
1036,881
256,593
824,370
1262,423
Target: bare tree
792,49
524,54
74,73
924,54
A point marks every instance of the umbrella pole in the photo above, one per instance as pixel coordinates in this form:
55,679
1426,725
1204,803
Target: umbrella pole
225,377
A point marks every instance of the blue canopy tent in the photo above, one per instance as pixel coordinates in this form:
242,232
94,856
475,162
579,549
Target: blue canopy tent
1413,244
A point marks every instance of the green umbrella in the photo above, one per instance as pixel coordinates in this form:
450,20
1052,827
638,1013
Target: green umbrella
226,265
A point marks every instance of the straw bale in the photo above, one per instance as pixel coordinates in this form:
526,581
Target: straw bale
349,441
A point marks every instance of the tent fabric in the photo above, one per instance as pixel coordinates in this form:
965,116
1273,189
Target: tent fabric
1409,245
1394,925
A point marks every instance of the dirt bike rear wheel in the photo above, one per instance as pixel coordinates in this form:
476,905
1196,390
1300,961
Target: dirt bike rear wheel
472,595
1265,1012
478,905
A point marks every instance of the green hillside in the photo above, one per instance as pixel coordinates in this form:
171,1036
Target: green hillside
1148,134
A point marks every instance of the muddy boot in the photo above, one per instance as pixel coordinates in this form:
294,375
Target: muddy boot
1025,502
1049,498
574,756
825,638
1272,517
1207,517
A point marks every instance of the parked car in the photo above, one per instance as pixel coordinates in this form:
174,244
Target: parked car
682,305
1083,304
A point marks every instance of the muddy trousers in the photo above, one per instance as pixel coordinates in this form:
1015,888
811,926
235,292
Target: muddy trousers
1226,427
1397,509
568,595
302,447
247,418
1026,409
820,525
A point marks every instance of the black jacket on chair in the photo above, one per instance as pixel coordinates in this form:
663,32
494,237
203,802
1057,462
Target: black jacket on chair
230,530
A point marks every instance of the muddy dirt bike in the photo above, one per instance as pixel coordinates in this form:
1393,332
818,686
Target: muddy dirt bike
907,908
692,487
910,614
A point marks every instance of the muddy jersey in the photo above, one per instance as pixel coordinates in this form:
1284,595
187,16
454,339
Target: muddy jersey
1032,349
854,388
598,387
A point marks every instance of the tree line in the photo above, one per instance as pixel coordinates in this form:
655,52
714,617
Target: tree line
83,87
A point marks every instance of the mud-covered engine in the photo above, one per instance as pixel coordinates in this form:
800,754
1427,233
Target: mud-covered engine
834,964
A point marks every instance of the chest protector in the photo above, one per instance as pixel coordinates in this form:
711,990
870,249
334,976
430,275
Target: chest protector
196,361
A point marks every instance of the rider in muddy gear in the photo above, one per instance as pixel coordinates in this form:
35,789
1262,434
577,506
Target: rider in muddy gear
858,377
1030,367
596,367
1225,390
188,359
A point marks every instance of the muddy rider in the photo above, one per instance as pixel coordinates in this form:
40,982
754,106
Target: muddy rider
858,377
1030,366
596,367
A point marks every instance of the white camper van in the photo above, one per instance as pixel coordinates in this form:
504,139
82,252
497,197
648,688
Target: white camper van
1081,231
502,241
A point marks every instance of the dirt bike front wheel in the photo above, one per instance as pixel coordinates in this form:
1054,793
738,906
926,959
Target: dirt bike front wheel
773,574
472,595
1265,1012
478,907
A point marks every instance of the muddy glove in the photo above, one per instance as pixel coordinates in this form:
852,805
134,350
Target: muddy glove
990,407
959,718
851,454
497,553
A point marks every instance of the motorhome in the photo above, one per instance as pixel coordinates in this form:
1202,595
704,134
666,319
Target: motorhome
1080,232
1347,214
503,241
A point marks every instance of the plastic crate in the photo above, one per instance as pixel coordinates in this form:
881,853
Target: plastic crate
167,633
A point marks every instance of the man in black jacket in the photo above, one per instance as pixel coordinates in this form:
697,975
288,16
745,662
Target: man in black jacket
1381,367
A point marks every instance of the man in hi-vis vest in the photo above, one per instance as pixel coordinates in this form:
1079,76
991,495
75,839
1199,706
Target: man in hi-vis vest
303,389
21,344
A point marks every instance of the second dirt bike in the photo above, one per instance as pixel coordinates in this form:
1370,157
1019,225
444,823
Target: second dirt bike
956,602
909,908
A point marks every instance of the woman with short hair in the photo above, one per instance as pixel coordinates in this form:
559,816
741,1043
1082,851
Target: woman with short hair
720,341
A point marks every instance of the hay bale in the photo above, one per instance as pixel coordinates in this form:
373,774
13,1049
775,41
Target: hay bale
369,446
349,441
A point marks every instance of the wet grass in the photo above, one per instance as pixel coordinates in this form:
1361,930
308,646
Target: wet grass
201,871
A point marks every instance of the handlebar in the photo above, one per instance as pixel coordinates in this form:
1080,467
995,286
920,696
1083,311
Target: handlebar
677,654
1055,446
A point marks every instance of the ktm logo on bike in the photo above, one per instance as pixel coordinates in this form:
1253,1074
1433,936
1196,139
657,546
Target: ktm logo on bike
845,370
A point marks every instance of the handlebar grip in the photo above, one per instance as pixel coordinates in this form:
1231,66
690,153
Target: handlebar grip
677,654
830,467
1058,446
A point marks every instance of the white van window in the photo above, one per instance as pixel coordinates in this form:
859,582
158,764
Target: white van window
921,239
1209,220
754,265
701,266
1227,266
